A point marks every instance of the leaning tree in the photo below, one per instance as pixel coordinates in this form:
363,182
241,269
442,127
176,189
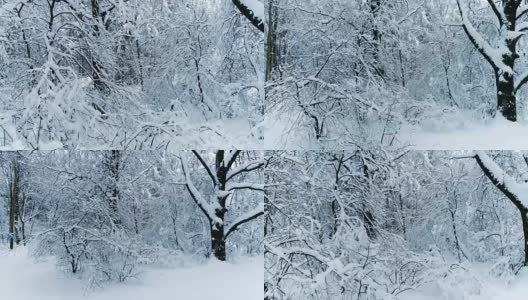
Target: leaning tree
516,192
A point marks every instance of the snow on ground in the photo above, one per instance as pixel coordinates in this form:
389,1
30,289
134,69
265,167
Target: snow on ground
23,279
516,290
282,132
497,134
461,132
474,284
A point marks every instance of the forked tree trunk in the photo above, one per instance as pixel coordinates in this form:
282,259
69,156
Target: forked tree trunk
215,211
508,15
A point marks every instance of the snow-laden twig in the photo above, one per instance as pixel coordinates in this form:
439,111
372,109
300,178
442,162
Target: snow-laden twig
206,208
492,55
248,216
516,192
248,167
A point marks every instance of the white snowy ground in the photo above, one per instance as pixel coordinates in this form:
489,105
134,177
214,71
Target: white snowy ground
516,290
457,133
23,279
496,134
473,284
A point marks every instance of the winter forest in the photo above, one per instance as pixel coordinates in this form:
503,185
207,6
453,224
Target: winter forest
396,225
130,74
108,217
264,149
426,74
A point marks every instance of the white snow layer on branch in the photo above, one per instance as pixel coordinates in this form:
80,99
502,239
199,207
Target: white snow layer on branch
248,215
245,185
523,9
494,54
246,167
206,207
228,156
256,6
521,80
519,190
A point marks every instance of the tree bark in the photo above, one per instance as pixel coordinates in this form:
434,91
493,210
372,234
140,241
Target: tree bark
524,218
112,162
13,202
217,226
375,6
270,45
369,221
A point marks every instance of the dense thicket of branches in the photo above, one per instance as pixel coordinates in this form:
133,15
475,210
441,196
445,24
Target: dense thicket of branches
105,214
375,225
129,74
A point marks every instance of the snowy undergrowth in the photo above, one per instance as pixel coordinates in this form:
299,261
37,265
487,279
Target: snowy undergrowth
183,134
22,278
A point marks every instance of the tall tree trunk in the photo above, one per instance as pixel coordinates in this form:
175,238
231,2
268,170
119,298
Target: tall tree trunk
506,98
524,217
112,162
13,202
217,225
11,223
217,241
96,66
375,6
215,211
369,221
270,50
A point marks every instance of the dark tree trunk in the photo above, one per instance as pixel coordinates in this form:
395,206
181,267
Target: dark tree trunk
506,98
375,6
112,161
219,178
11,224
217,241
369,221
13,204
270,50
217,226
524,217
96,66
